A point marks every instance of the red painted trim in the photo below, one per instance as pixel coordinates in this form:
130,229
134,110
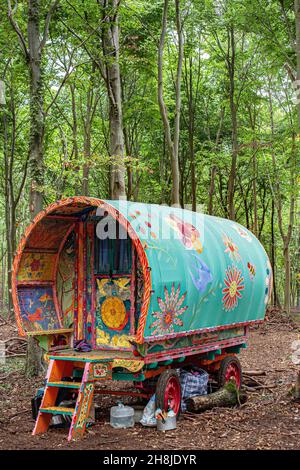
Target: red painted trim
90,232
76,282
84,279
149,339
80,281
192,350
132,293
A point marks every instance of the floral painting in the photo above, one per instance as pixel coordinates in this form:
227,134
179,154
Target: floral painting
188,234
170,310
252,270
231,248
36,267
234,284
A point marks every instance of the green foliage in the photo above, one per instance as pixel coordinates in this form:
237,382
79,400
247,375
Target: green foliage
76,107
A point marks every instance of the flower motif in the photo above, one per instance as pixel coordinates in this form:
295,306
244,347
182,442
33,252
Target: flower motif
234,283
35,265
170,311
231,248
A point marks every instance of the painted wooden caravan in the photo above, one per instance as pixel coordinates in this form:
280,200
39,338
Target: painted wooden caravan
147,288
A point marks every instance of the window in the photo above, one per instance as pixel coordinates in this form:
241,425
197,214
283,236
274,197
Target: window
113,256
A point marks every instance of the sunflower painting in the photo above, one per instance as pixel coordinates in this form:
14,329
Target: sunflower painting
170,311
234,284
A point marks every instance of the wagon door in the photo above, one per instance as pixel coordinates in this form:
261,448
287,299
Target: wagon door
114,287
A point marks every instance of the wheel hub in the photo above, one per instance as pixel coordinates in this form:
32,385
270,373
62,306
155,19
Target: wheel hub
172,395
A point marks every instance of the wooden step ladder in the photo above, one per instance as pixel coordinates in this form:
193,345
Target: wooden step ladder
59,368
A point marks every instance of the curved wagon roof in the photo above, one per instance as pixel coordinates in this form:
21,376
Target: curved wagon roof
200,272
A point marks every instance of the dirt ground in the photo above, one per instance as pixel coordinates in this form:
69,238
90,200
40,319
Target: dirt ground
270,419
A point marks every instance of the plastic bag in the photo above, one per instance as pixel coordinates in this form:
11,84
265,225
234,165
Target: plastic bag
148,418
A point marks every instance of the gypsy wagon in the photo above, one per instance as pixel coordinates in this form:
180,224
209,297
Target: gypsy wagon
147,289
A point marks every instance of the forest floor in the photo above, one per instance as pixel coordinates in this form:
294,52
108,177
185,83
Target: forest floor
270,419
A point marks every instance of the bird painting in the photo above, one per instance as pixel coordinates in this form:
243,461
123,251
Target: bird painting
201,276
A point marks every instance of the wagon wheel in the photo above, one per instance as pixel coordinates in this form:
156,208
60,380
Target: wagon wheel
230,370
168,391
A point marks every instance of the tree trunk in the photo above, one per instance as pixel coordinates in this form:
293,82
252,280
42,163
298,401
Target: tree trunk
110,44
213,172
36,165
234,124
129,165
287,277
273,254
191,130
254,190
173,144
10,208
297,51
32,50
91,106
277,195
34,358
87,156
214,168
225,397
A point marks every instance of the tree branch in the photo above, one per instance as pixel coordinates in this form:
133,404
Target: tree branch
16,28
47,23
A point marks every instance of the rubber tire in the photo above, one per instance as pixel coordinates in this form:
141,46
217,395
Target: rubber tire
161,387
221,377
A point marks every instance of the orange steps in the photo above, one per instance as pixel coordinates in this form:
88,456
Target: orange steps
59,368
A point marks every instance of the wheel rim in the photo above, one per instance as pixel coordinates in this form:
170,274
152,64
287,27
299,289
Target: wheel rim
172,395
233,374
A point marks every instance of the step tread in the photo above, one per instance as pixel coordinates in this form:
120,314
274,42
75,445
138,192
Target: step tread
57,410
63,384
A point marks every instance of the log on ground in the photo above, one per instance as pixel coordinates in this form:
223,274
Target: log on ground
225,397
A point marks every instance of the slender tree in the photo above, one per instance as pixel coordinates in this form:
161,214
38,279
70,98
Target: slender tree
172,143
32,49
111,72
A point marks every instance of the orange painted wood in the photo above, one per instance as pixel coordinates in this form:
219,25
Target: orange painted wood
56,371
42,423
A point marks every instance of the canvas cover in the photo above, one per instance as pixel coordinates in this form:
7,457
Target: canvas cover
200,272
205,271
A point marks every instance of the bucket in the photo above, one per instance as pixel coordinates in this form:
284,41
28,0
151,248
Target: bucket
121,416
168,424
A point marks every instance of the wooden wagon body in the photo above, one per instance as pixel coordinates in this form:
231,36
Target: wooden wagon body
148,288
